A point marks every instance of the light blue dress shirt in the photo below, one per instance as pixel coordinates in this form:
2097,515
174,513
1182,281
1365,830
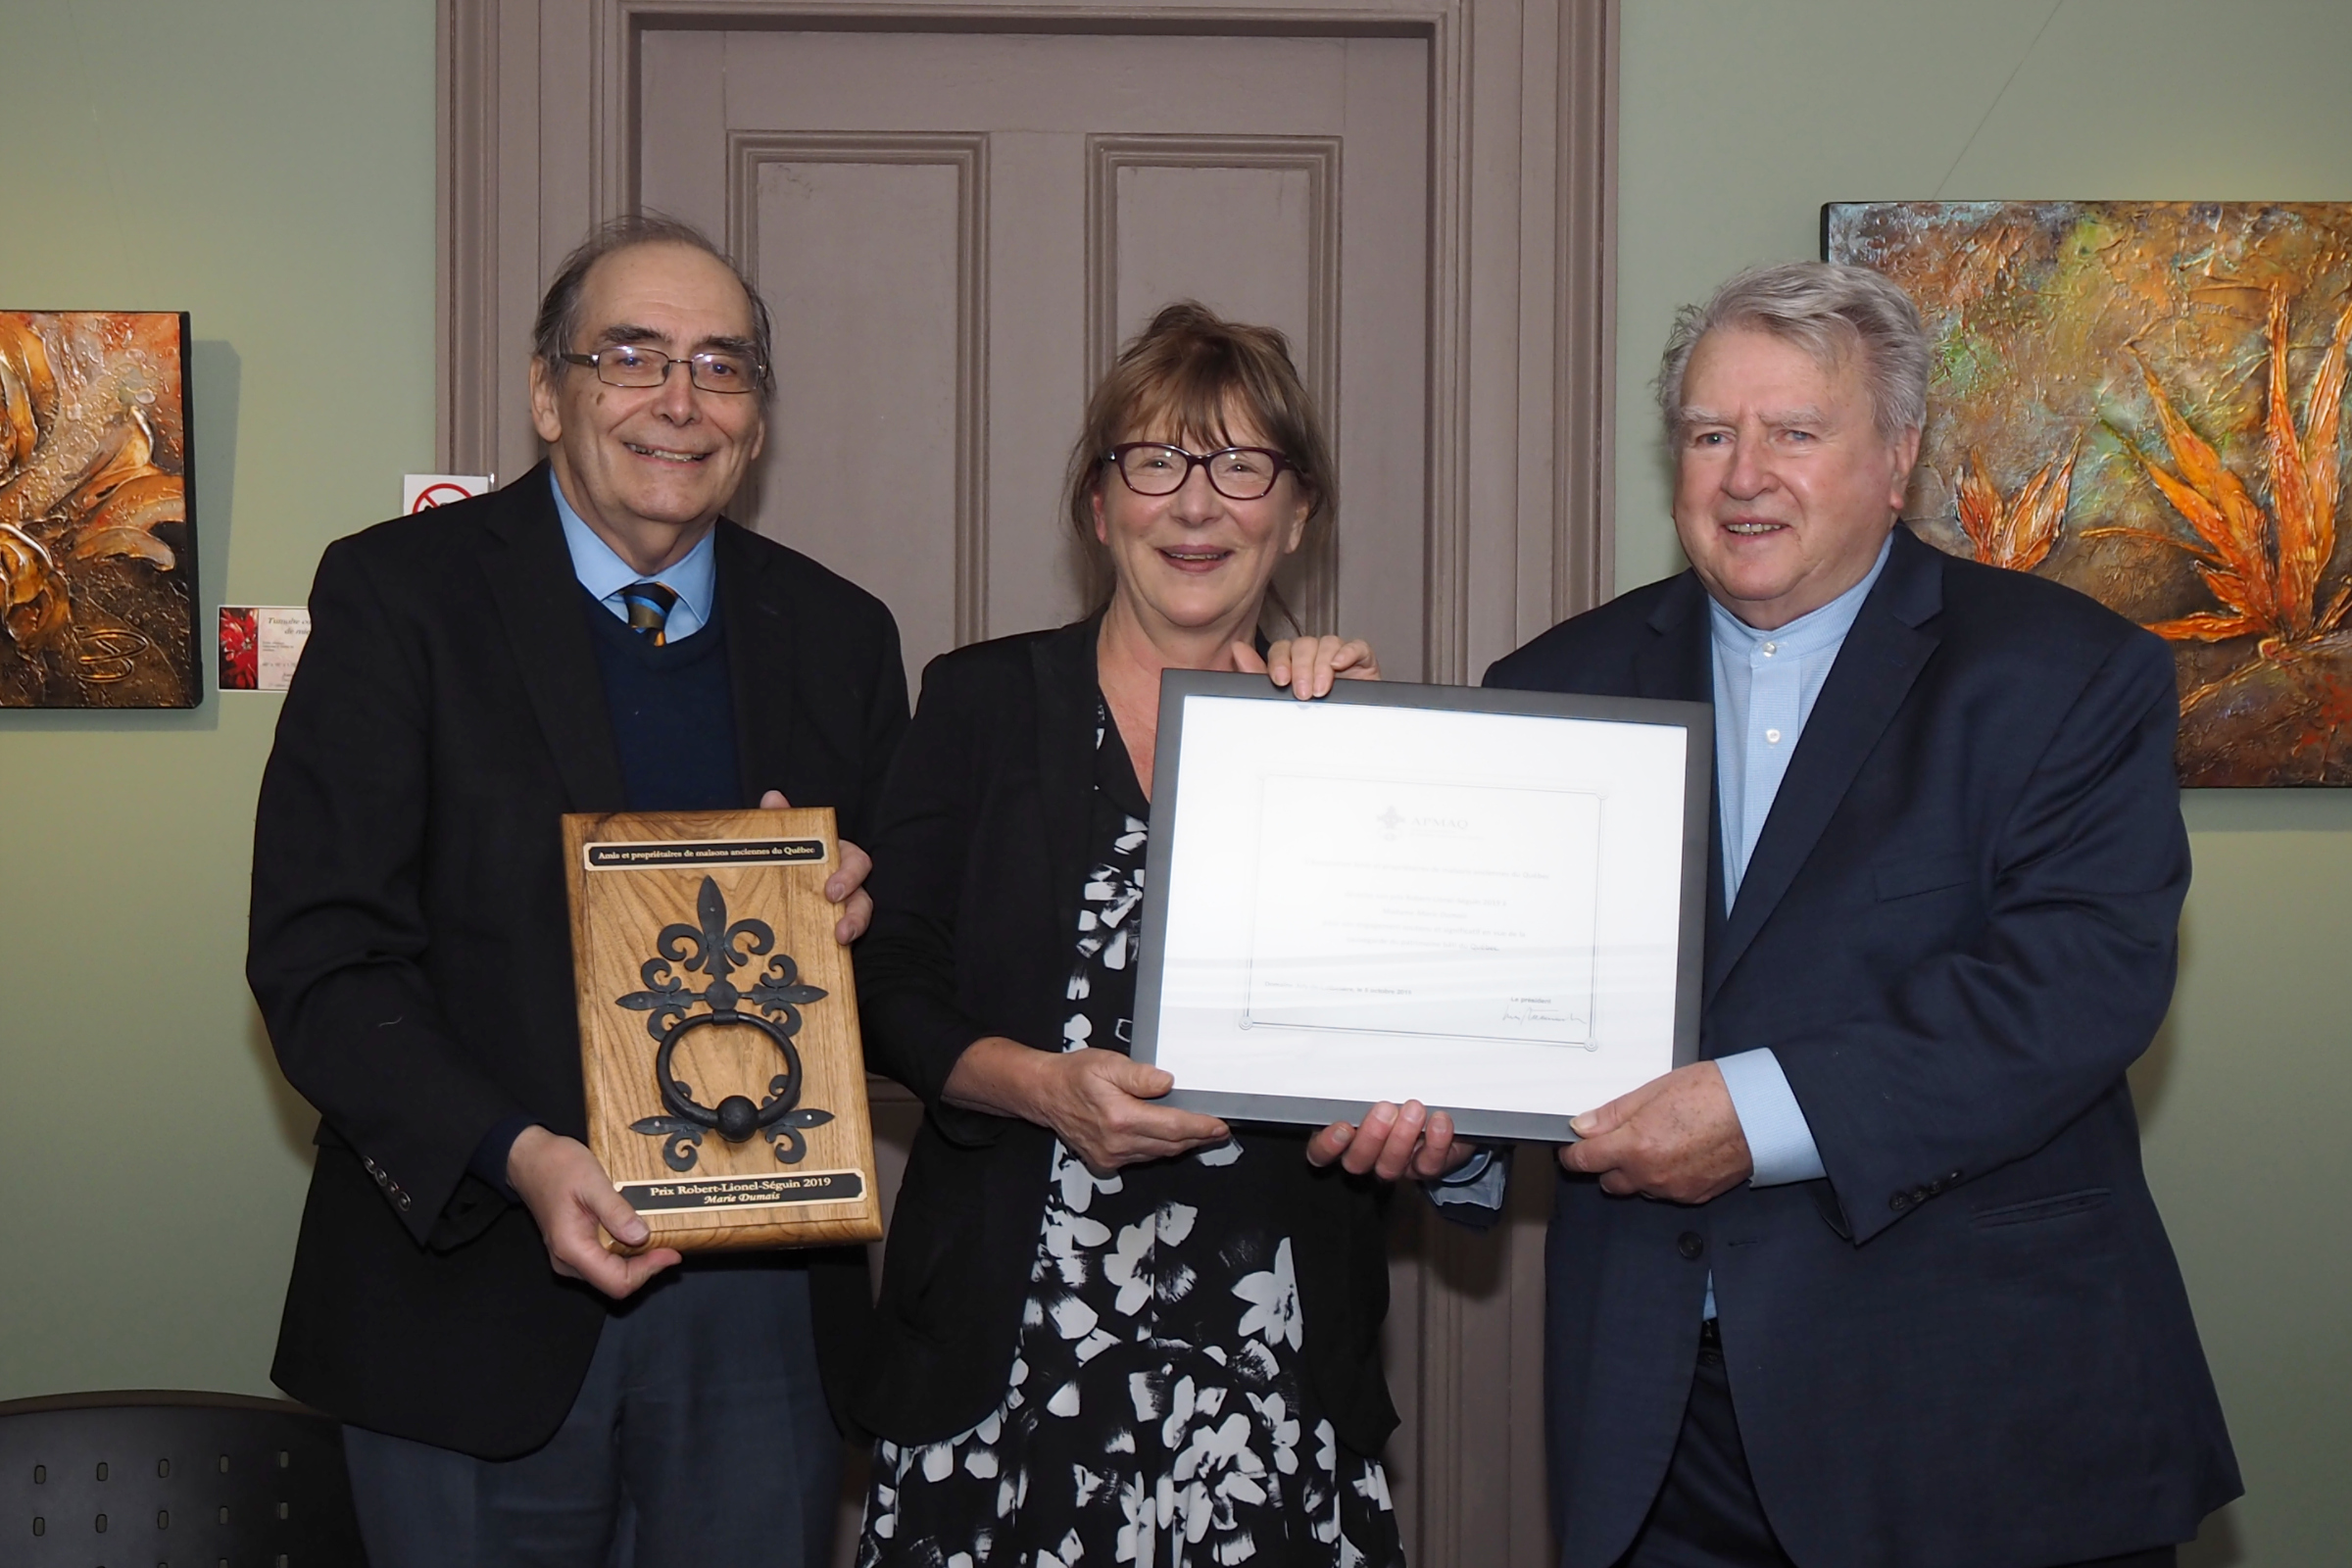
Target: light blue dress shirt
1765,683
693,577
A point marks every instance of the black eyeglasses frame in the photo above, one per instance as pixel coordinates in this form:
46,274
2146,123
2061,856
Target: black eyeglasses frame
1197,460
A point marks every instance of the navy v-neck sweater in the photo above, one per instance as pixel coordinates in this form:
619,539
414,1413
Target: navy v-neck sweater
673,713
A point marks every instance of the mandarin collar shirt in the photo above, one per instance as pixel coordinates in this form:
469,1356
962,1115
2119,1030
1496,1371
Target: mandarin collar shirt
1765,683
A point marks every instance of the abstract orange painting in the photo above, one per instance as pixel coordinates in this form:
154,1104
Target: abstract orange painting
2142,400
97,531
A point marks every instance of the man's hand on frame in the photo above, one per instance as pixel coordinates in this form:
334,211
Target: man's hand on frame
1392,1143
1677,1138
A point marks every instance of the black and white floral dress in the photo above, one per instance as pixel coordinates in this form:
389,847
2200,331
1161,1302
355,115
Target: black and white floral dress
1159,1414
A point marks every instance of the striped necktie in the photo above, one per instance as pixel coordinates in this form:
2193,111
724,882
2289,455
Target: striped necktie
649,605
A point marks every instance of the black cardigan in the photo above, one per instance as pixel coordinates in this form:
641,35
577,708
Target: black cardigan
978,862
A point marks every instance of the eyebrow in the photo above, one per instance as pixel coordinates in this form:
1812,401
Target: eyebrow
1779,419
624,332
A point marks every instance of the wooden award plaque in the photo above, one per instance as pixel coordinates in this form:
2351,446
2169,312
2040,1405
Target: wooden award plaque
719,1027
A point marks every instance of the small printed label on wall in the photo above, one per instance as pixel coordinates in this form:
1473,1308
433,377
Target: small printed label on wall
259,645
421,492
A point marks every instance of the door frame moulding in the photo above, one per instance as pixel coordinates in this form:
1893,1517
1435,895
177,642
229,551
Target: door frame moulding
537,119
537,131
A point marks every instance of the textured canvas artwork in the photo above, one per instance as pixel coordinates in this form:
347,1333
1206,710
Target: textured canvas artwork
97,531
2141,400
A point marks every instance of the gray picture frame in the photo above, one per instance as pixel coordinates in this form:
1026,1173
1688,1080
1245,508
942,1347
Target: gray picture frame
1696,720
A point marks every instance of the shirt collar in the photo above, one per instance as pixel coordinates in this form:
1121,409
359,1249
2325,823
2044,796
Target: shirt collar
693,577
1809,633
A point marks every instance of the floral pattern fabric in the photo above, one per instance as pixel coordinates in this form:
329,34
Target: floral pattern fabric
1159,1414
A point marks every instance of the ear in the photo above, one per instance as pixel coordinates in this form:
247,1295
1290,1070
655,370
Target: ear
1304,509
1101,529
1906,459
546,417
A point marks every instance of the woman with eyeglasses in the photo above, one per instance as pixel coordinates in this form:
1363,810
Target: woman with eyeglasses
1111,1331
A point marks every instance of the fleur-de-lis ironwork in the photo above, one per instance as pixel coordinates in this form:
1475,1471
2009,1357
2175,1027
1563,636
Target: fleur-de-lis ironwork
715,949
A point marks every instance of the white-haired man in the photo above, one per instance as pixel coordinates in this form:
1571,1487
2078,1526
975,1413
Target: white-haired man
1878,1281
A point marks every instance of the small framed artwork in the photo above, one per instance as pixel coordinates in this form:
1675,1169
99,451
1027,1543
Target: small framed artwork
97,514
2141,400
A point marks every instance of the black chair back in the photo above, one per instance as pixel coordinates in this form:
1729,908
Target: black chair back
137,1477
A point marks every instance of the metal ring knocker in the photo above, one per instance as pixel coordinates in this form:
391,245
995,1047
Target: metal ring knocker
710,948
734,1118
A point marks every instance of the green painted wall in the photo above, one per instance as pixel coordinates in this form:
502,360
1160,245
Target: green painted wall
269,166
1741,118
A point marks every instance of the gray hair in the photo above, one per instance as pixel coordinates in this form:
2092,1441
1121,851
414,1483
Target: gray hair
1827,308
558,319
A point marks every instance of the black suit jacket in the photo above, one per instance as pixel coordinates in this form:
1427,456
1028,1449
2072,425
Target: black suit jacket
1969,1343
410,941
978,863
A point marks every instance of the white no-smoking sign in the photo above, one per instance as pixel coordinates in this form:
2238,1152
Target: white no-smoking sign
420,492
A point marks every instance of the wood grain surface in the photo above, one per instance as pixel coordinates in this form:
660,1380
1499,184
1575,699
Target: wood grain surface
639,913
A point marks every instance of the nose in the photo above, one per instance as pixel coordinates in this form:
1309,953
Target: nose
1195,500
674,399
1747,477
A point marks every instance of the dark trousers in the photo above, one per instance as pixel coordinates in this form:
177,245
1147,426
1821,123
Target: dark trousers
1708,1515
700,1435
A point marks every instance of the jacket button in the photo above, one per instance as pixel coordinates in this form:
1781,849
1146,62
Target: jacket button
1899,1202
1691,1244
403,1202
1952,1180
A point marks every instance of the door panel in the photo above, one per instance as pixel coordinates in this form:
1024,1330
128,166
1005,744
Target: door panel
866,249
955,232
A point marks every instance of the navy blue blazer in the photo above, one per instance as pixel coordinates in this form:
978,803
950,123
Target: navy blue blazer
1969,1343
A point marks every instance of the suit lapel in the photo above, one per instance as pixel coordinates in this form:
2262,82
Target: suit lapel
1062,668
1678,665
538,600
763,661
1882,657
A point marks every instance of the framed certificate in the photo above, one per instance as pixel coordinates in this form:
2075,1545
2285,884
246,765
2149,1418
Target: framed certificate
1489,901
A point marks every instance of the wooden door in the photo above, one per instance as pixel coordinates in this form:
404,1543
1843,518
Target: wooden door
957,210
955,231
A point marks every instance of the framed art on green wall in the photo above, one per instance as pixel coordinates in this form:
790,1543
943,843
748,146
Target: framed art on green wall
97,520
2141,400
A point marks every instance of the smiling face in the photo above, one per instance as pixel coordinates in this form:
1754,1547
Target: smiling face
1195,561
647,468
1784,488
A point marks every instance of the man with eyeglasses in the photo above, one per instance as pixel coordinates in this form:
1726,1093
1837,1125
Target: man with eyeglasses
592,637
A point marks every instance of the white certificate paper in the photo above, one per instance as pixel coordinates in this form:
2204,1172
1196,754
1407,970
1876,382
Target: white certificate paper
1406,906
1407,893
